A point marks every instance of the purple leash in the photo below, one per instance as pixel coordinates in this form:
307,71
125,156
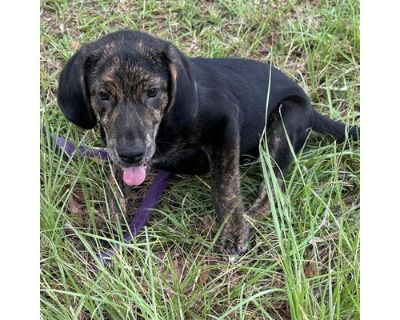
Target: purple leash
69,149
140,218
150,200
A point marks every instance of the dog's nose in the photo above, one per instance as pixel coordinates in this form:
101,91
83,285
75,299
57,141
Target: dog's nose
131,154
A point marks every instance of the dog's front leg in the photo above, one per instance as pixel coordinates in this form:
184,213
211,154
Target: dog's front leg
226,192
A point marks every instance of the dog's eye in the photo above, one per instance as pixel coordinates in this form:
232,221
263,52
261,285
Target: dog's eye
152,92
103,95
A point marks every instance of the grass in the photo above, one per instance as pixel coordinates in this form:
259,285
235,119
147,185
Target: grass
304,258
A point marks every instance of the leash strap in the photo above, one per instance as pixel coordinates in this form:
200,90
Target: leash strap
150,200
70,150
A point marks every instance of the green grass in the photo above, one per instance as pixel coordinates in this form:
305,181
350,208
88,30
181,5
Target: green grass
304,259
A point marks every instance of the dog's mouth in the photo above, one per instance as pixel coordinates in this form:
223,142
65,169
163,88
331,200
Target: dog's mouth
134,175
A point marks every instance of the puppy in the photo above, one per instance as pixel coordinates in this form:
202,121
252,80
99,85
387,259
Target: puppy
159,108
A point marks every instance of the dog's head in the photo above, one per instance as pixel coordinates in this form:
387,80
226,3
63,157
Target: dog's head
129,82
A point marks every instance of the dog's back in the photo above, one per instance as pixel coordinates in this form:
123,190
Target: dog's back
252,86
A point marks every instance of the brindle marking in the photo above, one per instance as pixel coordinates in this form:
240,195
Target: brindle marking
226,193
189,115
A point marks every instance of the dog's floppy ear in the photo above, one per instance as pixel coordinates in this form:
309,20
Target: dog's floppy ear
183,104
73,95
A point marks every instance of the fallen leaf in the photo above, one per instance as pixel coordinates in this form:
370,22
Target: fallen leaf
76,202
74,207
203,277
178,268
310,269
75,45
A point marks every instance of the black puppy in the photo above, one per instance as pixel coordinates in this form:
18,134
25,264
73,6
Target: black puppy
159,108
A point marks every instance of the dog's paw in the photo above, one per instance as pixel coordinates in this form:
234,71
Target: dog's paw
235,238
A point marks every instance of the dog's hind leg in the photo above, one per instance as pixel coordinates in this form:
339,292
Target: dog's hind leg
292,118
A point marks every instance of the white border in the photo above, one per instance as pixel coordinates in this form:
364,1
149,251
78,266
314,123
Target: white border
20,98
380,122
380,143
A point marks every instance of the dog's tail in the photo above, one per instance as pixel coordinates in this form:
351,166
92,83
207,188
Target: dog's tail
336,129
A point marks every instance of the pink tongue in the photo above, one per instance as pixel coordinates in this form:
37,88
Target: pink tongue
134,176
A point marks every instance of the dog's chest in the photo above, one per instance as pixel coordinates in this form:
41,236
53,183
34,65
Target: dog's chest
172,151
181,156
